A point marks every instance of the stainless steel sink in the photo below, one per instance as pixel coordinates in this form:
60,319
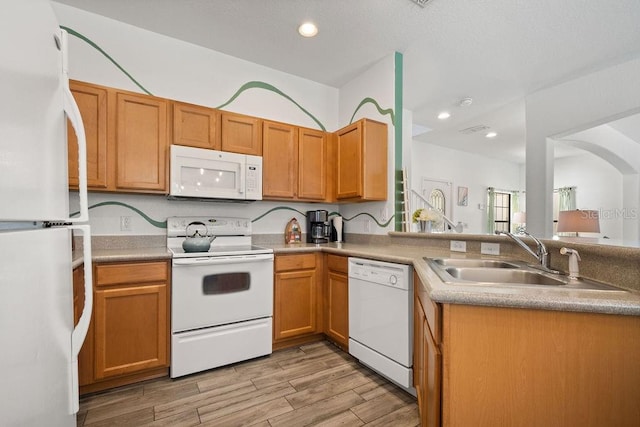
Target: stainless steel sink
501,275
472,263
486,272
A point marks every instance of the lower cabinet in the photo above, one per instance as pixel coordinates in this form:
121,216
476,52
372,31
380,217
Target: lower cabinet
297,313
427,357
128,339
336,304
498,366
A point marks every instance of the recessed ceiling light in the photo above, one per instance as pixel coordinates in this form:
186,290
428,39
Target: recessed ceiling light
308,29
444,115
491,135
465,102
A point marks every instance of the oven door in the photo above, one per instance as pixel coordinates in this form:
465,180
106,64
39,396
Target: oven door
211,291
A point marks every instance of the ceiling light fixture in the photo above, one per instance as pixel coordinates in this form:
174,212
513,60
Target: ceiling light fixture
444,115
491,135
465,102
308,29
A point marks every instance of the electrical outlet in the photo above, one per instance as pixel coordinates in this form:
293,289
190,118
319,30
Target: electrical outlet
490,248
458,246
367,225
125,223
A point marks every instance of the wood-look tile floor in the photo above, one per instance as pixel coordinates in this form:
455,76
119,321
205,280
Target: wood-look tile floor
315,384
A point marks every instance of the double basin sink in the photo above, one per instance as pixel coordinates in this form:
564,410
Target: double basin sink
465,271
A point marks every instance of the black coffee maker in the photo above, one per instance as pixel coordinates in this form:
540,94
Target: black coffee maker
318,228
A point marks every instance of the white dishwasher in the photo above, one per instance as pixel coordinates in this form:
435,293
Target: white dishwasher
380,318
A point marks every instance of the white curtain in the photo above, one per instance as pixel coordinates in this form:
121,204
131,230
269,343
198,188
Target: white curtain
567,199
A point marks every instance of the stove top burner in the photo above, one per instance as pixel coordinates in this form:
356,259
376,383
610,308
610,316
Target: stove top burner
233,237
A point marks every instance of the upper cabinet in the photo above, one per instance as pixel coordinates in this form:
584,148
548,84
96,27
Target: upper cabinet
279,160
361,161
241,134
312,165
301,173
196,126
141,142
127,140
92,103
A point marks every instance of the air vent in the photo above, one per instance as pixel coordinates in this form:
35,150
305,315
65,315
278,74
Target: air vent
421,3
474,129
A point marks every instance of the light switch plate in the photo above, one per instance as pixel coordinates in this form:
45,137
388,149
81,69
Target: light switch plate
458,246
490,248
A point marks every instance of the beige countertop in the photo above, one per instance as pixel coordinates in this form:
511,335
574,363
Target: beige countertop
540,297
627,303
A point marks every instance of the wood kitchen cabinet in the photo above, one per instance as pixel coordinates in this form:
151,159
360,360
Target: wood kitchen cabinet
141,142
520,367
336,305
294,163
195,126
427,357
127,140
361,161
92,103
128,339
241,134
297,313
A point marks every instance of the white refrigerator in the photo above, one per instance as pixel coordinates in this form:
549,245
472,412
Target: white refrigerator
39,344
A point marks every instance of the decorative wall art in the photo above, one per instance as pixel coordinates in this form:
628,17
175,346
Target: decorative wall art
463,196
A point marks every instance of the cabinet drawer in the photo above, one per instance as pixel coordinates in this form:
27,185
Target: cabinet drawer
295,262
338,263
136,272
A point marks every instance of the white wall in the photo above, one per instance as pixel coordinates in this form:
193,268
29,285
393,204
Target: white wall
599,187
467,170
177,70
569,107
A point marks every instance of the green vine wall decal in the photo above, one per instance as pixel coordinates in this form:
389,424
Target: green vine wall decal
106,55
383,112
269,87
243,88
279,208
159,224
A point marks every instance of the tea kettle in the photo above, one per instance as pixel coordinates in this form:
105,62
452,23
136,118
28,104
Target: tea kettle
197,242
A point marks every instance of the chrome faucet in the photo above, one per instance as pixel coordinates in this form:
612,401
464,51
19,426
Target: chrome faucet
541,254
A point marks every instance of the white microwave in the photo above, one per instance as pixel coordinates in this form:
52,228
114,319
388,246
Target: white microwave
208,174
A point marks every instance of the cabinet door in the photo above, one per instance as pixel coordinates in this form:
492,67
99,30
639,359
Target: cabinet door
419,345
131,326
196,126
241,134
295,304
312,164
338,308
279,160
349,162
432,381
92,103
141,143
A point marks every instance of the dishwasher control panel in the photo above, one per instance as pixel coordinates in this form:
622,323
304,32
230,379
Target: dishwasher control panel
379,272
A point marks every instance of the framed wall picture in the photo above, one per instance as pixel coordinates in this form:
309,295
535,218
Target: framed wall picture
463,196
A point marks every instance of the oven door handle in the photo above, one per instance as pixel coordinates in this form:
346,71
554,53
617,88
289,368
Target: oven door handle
179,262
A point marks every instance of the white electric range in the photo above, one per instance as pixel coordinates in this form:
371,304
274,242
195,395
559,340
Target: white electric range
222,299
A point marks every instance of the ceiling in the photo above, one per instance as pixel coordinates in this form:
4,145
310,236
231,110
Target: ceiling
494,51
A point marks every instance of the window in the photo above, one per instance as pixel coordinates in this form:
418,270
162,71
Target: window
502,211
436,199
